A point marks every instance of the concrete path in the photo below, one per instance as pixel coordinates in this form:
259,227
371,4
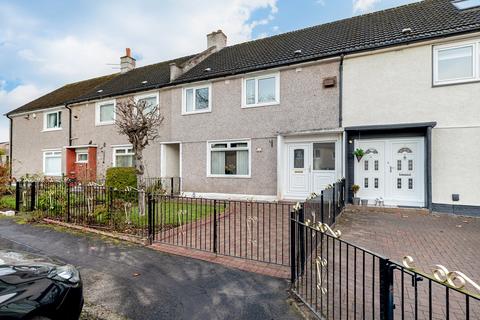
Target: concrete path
139,283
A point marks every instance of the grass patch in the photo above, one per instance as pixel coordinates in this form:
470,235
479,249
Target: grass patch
7,202
167,213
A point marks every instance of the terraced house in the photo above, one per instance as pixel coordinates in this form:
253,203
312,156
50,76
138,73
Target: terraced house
279,117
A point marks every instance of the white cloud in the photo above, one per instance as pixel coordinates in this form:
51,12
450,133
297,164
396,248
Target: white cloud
43,53
362,6
321,2
18,96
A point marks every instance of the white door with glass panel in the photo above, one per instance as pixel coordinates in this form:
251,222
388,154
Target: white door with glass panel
393,170
311,168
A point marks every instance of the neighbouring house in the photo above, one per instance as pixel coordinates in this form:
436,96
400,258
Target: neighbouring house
4,153
279,117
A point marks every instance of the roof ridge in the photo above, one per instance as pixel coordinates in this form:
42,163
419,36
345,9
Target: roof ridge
331,22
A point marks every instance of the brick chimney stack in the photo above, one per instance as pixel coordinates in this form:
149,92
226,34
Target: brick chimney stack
127,63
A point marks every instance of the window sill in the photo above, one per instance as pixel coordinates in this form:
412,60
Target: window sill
228,176
52,174
99,124
52,129
195,112
81,162
260,105
454,82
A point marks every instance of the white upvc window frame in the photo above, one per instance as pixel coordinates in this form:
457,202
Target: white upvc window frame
45,120
475,44
229,142
50,153
122,147
256,78
81,152
97,112
156,95
194,88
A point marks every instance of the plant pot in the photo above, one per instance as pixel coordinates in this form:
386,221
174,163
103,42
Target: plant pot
364,202
356,201
359,158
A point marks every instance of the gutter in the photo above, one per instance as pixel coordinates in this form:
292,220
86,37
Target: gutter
10,149
340,91
69,125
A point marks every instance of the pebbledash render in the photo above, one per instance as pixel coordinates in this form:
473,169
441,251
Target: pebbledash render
279,118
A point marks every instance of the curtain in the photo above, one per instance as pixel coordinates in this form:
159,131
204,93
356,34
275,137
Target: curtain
52,120
242,162
217,162
53,165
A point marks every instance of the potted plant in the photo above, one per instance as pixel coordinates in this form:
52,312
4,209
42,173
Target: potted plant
359,153
356,200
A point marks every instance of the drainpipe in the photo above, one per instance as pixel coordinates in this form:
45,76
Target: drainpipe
340,91
10,149
69,125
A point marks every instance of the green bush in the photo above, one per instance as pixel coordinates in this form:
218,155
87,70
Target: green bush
121,178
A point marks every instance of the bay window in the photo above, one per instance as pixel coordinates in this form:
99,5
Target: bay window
456,63
229,158
52,163
261,90
197,99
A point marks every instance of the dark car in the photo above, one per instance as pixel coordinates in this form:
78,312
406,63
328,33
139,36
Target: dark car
37,287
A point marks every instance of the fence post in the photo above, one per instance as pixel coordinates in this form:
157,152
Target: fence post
68,201
334,203
215,226
301,238
322,205
386,290
150,218
293,244
32,196
18,193
171,186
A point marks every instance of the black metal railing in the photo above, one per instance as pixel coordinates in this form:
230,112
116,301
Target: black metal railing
337,279
251,230
327,205
91,204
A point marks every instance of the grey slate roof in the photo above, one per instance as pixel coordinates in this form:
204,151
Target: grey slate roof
63,94
156,75
427,19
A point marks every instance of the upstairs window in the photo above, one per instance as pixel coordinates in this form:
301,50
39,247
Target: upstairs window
105,112
197,99
466,4
456,63
150,100
261,90
229,159
52,163
123,157
52,121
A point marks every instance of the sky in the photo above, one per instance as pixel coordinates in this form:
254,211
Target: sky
46,44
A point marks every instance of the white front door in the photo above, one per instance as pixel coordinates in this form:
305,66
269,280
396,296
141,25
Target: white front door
311,168
393,170
299,169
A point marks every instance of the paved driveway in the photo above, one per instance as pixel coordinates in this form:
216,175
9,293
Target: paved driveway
140,283
431,239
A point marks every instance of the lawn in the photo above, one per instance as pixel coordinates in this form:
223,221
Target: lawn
7,202
168,214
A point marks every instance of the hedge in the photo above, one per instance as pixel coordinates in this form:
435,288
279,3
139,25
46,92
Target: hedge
120,178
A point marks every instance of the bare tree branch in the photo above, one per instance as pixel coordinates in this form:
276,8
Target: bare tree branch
140,122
